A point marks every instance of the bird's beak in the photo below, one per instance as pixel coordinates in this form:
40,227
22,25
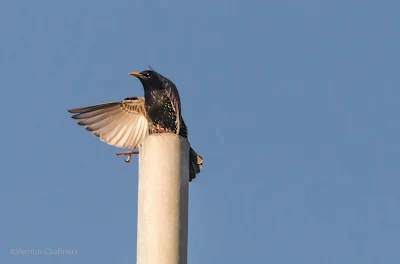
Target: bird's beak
136,74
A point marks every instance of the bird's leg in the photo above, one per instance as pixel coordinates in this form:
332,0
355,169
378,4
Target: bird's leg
128,153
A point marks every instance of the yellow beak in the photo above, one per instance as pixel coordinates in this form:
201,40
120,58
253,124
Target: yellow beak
136,74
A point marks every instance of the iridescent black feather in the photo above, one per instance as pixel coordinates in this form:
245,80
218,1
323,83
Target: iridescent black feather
163,109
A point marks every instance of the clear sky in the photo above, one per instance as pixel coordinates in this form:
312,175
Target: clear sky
294,106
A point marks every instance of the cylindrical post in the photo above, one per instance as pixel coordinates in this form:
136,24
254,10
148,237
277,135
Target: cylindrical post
163,200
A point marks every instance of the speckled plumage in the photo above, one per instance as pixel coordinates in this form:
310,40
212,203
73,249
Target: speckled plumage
163,106
163,109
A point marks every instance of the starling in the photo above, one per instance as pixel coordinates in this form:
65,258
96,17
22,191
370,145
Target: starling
124,124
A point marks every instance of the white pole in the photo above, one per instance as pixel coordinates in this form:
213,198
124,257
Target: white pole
163,200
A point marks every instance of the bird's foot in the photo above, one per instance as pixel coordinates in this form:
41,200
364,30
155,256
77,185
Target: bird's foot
128,153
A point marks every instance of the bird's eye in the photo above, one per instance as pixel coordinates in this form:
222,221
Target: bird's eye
146,74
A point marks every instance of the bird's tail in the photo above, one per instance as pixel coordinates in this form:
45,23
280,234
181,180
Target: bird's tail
195,164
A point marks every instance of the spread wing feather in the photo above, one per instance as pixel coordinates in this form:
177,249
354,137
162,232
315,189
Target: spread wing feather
121,124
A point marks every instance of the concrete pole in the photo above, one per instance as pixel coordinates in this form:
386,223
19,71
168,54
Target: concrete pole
163,200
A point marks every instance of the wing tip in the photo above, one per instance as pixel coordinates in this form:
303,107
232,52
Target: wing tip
73,110
75,116
81,123
88,128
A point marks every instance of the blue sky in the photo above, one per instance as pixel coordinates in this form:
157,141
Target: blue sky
294,106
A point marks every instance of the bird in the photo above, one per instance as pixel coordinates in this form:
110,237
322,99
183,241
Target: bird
125,123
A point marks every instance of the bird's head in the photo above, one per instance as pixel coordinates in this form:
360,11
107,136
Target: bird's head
149,79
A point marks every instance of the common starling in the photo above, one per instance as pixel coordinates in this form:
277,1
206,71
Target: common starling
124,124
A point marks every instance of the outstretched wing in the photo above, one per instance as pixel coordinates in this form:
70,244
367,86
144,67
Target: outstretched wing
121,124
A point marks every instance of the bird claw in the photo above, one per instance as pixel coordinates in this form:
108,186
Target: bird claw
128,153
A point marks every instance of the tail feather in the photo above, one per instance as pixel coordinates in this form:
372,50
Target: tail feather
195,164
